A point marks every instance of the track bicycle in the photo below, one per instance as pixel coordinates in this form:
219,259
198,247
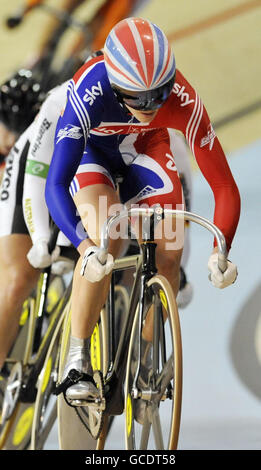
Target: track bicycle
40,315
45,409
152,405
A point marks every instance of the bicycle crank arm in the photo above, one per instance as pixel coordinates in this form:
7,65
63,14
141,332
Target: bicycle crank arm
98,404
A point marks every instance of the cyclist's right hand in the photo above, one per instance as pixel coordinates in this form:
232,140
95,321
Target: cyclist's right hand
92,269
219,279
39,256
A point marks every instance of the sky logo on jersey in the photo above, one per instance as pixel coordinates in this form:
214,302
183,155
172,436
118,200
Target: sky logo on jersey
70,131
209,138
184,96
90,96
106,131
171,163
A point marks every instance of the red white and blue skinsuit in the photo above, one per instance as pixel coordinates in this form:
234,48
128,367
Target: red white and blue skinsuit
96,139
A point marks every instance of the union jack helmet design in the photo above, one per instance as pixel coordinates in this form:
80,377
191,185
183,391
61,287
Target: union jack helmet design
138,56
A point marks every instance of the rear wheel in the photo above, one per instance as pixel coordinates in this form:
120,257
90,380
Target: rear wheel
153,406
16,417
17,413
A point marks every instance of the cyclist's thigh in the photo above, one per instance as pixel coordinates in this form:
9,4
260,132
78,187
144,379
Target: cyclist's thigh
13,251
94,192
11,191
15,241
152,178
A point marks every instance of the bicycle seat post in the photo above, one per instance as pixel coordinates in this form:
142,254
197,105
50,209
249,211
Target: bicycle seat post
148,245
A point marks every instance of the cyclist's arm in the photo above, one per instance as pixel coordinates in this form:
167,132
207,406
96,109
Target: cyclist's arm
39,156
70,141
193,121
66,158
214,166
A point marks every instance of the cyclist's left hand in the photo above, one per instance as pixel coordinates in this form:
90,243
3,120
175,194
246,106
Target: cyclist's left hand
39,256
92,269
219,279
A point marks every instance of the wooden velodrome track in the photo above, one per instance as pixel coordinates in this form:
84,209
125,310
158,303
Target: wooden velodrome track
217,47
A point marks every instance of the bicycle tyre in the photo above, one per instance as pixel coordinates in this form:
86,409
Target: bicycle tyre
72,421
139,436
15,433
45,412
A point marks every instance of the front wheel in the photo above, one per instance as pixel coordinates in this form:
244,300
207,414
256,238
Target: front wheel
75,423
153,398
45,412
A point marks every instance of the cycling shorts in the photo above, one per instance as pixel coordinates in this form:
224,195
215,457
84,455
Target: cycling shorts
11,190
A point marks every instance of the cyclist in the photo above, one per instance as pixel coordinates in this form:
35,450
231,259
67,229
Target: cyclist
20,99
17,276
24,185
116,119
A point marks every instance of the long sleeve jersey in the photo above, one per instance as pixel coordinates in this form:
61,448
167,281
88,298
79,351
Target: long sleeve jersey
93,116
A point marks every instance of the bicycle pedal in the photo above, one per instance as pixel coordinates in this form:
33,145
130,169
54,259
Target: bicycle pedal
100,402
78,403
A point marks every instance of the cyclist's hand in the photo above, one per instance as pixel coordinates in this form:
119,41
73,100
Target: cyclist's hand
39,256
219,279
92,269
62,266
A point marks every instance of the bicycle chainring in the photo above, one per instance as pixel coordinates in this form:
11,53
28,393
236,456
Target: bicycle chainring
12,391
96,410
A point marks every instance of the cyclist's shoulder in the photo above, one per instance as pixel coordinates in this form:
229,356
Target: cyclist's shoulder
22,140
182,98
90,89
183,89
92,72
56,97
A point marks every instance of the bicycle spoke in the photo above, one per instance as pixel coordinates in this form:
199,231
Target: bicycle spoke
162,385
156,426
145,432
165,377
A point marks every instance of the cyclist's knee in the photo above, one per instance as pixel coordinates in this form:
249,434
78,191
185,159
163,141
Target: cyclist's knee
16,280
169,260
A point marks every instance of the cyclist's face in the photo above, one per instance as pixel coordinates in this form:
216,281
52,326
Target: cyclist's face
143,116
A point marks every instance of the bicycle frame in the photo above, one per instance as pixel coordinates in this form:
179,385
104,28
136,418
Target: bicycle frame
28,392
36,346
145,269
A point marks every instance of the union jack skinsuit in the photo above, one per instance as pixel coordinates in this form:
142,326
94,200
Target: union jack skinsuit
96,138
